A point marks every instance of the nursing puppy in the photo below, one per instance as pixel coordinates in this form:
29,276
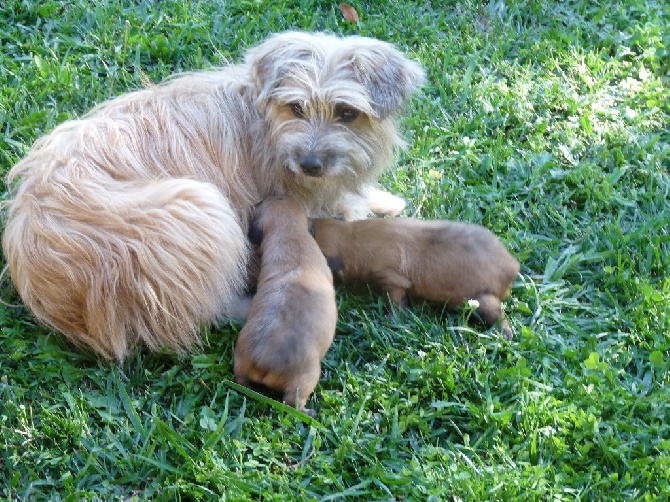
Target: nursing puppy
130,224
291,323
440,261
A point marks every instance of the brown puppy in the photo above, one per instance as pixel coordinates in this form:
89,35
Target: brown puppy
291,322
441,261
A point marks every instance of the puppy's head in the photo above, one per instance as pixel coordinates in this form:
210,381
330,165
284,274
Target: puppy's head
273,212
331,236
330,103
337,268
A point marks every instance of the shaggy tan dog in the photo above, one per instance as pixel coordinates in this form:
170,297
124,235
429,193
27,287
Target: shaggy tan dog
291,323
441,261
130,224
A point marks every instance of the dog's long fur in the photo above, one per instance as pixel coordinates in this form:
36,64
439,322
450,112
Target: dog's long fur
129,224
442,261
291,323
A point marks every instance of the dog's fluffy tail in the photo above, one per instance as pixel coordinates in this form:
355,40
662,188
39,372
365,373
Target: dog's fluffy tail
110,264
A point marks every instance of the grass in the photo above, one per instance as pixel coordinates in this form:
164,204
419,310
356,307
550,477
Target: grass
546,121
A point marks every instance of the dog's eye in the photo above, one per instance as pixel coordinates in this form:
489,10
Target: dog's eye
298,110
345,114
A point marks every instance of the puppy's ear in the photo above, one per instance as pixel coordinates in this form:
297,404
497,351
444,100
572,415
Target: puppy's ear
389,77
255,233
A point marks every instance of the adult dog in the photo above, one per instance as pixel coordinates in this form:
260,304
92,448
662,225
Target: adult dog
130,224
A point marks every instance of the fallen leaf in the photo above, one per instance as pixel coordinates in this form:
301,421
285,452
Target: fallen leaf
349,13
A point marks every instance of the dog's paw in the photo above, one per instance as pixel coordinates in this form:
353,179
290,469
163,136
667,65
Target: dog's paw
371,201
383,203
351,207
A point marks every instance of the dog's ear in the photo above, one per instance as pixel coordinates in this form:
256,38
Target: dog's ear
389,77
255,233
280,55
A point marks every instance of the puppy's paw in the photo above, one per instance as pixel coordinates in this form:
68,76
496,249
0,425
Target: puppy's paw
507,331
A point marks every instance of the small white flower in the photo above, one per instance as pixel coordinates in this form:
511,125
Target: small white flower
644,74
630,113
473,304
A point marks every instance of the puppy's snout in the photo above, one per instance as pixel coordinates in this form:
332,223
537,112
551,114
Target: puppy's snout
311,165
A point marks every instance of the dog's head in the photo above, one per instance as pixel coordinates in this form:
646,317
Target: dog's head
330,103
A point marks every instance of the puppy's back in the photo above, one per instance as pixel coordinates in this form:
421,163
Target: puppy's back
446,255
439,257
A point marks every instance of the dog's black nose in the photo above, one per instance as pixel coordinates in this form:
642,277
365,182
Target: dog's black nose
311,165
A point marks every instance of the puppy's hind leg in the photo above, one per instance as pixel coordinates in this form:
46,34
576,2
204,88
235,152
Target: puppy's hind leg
241,366
395,288
298,390
490,311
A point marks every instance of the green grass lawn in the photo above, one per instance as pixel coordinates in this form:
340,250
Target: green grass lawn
547,121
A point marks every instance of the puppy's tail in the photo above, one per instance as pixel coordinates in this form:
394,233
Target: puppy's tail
113,263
